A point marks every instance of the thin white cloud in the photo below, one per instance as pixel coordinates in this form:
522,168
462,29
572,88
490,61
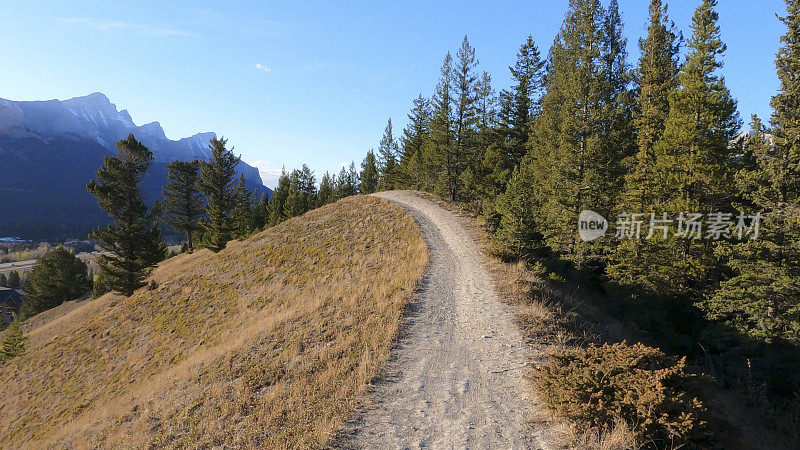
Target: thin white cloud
269,172
266,69
105,25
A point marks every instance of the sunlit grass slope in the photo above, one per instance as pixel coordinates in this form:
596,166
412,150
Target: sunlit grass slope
266,344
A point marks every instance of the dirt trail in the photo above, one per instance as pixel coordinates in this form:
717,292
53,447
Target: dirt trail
455,379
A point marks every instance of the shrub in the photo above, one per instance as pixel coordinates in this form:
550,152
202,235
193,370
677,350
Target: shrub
640,385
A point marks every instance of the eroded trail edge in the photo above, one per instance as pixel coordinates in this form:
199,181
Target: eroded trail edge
455,379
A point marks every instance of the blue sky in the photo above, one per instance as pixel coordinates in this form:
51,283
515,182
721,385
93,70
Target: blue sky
310,82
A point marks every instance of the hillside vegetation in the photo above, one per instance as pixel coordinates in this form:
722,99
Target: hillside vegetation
265,344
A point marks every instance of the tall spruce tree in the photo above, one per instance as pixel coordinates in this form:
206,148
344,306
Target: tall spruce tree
278,201
216,182
413,144
443,162
325,194
369,174
133,238
656,78
183,204
387,159
302,195
579,136
504,153
468,154
528,84
762,298
243,214
693,160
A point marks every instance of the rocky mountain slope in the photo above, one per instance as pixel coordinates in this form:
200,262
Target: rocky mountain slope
50,149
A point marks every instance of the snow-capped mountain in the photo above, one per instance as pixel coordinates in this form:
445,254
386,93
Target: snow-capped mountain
50,149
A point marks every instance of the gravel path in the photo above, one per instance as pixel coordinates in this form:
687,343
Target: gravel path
455,378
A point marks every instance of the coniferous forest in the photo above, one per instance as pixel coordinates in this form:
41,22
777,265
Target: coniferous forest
702,255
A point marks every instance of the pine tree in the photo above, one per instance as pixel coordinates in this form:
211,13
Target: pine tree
278,200
347,182
302,194
217,185
656,76
468,154
387,159
369,174
580,135
693,160
443,163
476,177
14,280
183,205
528,76
762,298
262,211
13,341
3,280
325,194
59,276
413,143
243,214
508,145
133,238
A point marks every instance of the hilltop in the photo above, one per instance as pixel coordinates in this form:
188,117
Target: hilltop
267,343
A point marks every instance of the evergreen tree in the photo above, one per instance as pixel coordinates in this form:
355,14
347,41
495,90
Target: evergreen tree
387,159
476,177
59,276
183,205
580,136
243,214
693,160
326,193
133,238
3,280
528,78
13,341
656,76
468,154
506,148
302,193
14,280
762,298
217,185
443,162
278,200
262,212
369,174
347,182
413,144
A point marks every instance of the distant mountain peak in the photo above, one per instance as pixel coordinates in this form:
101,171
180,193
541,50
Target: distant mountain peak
153,129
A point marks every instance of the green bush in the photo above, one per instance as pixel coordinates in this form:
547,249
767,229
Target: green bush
640,385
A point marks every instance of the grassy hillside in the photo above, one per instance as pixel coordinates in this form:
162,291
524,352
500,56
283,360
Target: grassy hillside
267,343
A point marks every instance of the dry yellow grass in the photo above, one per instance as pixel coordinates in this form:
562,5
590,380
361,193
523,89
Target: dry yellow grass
269,343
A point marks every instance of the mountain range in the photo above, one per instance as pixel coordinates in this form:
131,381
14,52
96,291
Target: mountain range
50,149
